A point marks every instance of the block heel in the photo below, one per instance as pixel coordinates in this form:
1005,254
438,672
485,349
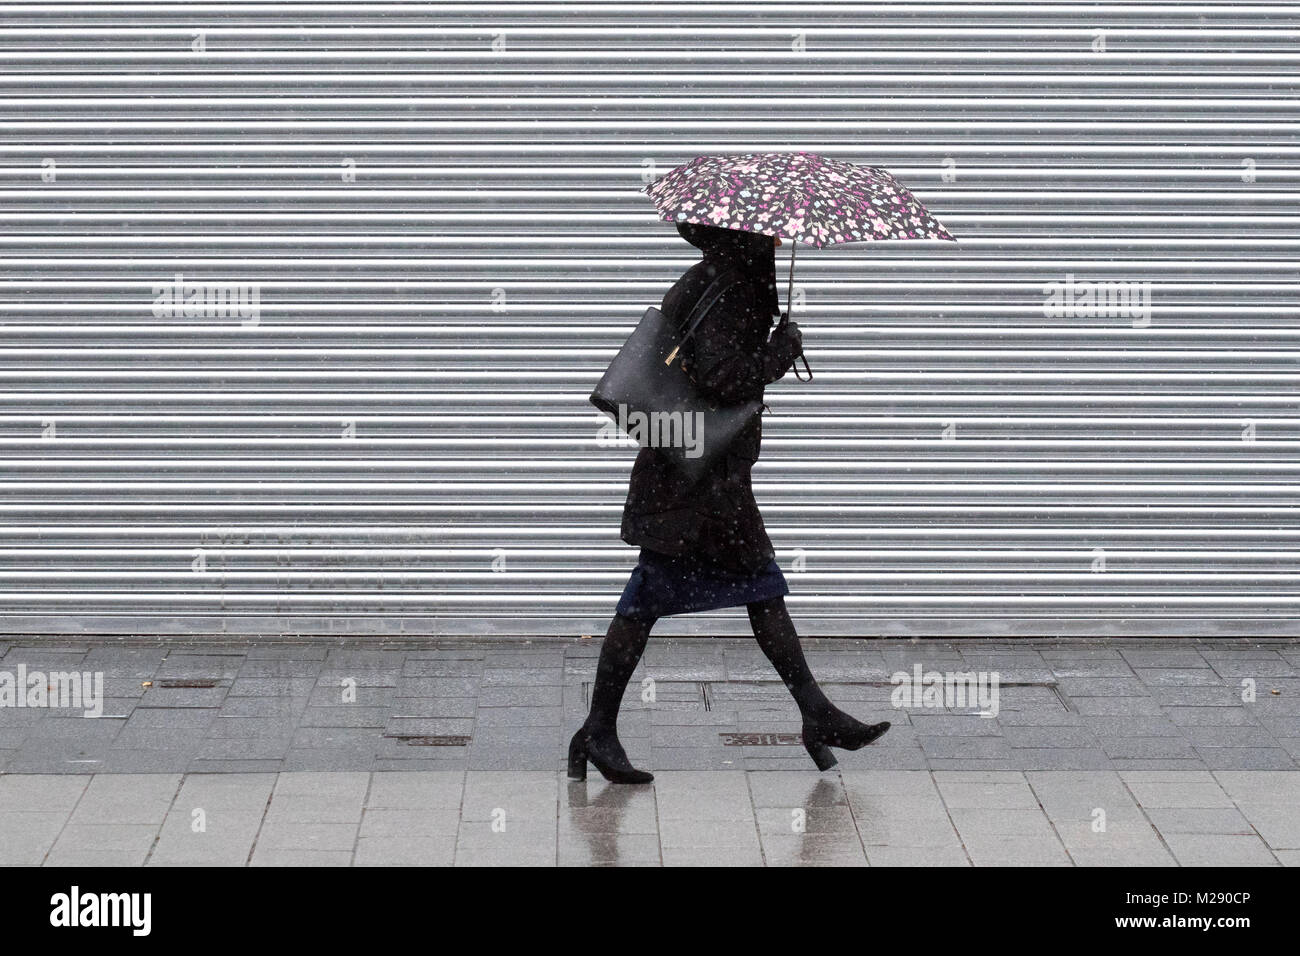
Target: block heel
578,757
820,753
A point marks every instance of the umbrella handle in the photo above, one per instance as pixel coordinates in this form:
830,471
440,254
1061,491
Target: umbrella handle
789,289
785,317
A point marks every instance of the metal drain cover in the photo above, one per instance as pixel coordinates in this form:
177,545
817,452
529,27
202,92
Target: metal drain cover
431,740
760,740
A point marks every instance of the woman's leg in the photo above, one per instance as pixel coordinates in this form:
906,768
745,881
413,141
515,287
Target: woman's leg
623,646
777,637
824,724
597,739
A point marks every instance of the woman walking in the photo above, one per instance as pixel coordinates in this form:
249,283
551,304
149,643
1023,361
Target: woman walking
703,545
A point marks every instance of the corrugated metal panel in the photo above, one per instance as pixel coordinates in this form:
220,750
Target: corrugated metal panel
401,442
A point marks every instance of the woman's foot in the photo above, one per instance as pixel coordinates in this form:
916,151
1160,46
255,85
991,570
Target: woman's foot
837,729
602,748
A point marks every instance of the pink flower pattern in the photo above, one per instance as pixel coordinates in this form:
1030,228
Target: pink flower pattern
800,196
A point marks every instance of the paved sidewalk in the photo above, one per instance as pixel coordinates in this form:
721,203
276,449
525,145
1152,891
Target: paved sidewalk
774,818
692,705
451,753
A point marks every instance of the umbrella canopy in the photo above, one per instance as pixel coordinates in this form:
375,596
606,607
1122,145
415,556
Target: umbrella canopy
799,196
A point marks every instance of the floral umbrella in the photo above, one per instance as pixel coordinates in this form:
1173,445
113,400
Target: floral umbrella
800,196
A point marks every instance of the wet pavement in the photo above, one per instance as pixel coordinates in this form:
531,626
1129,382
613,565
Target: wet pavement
1166,752
702,817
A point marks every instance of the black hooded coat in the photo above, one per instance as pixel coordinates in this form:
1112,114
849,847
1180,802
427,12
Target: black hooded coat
730,360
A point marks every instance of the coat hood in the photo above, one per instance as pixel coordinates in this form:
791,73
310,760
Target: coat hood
753,253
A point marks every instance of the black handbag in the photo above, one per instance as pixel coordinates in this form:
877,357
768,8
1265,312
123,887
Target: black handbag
653,400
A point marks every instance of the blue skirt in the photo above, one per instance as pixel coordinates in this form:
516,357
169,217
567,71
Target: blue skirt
662,584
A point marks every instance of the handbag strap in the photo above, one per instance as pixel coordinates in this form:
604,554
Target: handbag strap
703,305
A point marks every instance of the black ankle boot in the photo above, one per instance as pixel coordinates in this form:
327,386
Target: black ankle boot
837,729
602,749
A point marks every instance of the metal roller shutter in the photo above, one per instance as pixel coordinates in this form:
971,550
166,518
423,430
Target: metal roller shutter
437,206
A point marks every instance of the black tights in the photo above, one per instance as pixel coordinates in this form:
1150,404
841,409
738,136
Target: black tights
626,640
624,643
776,635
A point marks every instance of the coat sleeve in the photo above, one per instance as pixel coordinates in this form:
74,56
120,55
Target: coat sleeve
726,367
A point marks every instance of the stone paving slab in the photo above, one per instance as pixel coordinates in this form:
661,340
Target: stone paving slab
685,818
693,705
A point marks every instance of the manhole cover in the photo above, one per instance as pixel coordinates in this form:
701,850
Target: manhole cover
431,740
760,740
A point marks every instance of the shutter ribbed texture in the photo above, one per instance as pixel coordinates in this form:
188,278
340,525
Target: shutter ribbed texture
438,207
